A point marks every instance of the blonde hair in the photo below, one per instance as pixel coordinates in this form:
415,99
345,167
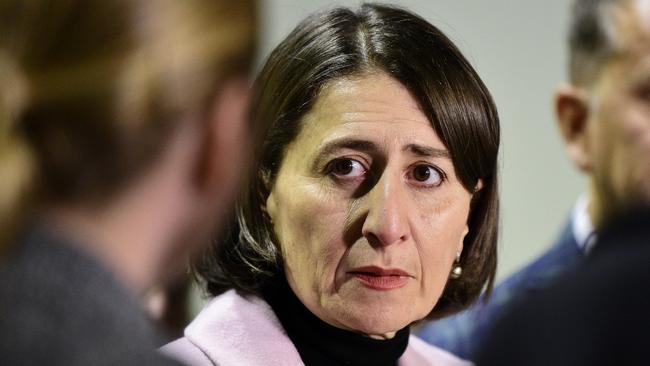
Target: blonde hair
90,90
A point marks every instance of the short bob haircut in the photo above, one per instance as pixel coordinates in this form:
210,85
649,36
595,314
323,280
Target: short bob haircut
341,43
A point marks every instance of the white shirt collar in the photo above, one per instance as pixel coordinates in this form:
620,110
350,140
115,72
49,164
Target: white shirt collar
581,225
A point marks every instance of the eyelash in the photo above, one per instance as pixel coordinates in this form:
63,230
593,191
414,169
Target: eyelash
331,166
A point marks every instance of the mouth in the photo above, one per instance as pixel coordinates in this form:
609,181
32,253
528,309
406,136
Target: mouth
378,278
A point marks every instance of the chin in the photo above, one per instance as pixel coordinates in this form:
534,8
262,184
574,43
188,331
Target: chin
375,320
376,312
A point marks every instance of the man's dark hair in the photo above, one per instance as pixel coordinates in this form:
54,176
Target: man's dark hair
342,43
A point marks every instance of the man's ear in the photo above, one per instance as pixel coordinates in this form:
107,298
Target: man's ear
572,114
225,147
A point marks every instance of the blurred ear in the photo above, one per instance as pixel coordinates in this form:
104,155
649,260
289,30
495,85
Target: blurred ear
572,114
225,150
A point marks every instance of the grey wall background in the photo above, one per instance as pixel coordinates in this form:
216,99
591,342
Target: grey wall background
518,48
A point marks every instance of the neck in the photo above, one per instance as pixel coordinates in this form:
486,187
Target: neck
603,206
594,209
127,243
136,234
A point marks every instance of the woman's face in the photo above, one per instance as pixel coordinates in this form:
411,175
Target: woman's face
367,208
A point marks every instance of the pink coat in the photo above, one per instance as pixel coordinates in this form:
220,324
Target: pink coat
233,330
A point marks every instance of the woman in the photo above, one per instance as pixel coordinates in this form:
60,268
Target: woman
373,203
117,124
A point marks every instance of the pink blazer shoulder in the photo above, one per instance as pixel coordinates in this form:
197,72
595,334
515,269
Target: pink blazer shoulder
236,330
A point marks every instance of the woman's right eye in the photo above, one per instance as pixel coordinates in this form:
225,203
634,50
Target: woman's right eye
347,169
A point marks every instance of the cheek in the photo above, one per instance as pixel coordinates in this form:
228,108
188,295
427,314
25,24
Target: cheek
622,140
638,153
308,226
442,219
438,236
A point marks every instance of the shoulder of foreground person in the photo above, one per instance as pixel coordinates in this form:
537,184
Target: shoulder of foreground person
236,330
462,333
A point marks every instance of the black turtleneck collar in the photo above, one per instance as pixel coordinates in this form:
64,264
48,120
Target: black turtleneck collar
319,343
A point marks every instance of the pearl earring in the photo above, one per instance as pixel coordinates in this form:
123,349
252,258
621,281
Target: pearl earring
456,269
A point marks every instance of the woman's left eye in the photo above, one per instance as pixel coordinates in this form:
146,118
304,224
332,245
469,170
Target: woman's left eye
426,175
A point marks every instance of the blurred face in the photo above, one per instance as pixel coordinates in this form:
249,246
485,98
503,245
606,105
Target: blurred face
619,125
367,208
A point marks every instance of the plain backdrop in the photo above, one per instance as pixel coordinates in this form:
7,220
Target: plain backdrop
518,48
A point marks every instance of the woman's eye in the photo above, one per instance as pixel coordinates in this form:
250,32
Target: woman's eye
426,175
347,168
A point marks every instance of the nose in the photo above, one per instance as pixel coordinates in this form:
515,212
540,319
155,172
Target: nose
386,222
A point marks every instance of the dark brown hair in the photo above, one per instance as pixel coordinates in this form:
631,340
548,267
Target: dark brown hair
91,90
340,43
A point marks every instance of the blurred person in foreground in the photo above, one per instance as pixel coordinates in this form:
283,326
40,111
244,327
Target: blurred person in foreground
373,203
604,116
122,133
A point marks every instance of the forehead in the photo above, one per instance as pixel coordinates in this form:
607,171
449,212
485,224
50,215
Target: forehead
375,105
377,90
630,61
632,23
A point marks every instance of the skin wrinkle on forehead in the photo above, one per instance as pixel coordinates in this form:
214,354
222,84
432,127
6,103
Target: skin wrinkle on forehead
350,111
352,121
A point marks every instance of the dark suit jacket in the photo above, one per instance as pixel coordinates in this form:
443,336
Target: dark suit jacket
59,306
461,334
596,314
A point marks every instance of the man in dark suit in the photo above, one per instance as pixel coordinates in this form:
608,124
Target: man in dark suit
123,131
604,119
596,314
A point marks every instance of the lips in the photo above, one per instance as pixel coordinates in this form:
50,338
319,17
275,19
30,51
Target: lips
378,278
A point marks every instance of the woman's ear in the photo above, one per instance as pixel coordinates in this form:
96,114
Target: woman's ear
572,114
462,238
270,206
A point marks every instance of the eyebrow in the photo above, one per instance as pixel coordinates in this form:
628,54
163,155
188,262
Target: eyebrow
343,143
348,143
427,151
